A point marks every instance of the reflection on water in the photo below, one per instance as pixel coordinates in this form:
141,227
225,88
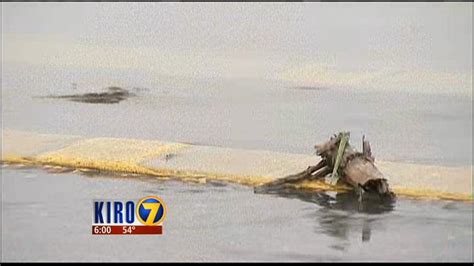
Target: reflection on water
225,223
347,201
341,212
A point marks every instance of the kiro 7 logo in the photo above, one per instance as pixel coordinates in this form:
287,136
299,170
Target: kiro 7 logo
127,217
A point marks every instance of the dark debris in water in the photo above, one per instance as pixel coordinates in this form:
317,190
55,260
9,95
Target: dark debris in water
110,96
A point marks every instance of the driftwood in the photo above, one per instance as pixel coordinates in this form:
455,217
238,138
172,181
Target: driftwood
342,164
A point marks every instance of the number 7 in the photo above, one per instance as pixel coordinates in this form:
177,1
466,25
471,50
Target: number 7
153,207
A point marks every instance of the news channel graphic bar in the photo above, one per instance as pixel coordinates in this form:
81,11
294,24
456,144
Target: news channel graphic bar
128,217
127,230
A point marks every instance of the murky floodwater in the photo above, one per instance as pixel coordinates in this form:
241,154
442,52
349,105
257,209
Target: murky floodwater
266,115
225,75
47,217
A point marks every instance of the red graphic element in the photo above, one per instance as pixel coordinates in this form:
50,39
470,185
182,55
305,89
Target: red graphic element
127,229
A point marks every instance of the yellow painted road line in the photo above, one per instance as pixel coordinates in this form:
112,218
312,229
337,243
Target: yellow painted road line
247,167
110,154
